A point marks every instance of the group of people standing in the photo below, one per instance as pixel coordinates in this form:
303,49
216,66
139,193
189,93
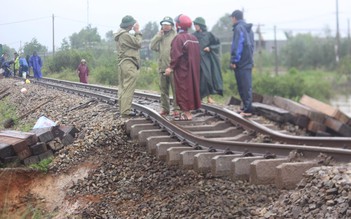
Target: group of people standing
22,65
188,64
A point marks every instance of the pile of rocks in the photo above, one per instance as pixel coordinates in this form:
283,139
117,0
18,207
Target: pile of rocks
325,192
130,183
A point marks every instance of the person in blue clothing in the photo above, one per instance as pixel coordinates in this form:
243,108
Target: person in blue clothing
35,63
241,60
23,66
5,65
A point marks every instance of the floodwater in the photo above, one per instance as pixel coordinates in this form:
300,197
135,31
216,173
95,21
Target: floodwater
343,103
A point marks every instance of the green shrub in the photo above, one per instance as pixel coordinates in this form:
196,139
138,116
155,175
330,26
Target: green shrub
293,85
67,59
149,76
43,165
65,74
345,67
105,75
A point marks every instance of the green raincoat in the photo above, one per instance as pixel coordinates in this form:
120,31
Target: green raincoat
211,81
128,59
162,45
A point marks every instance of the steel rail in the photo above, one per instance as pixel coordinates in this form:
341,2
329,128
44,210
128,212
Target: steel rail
343,142
341,155
311,152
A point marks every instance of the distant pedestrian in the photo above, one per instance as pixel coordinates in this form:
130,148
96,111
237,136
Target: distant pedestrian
3,58
27,59
241,60
5,65
83,71
36,63
23,66
185,65
128,58
15,64
211,81
161,43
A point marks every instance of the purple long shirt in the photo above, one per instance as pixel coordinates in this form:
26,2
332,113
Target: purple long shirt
83,73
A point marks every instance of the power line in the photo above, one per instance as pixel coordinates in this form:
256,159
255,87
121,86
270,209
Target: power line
306,18
83,22
70,19
23,21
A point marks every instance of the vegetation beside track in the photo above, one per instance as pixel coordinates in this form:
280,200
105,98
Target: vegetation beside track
8,111
291,84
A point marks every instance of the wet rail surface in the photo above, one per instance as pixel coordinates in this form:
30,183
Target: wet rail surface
213,128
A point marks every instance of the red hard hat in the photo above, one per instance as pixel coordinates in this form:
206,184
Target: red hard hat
183,22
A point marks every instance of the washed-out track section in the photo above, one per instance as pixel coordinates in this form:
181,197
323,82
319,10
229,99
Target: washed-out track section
219,141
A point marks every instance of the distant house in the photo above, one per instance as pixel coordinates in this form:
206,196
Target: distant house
263,41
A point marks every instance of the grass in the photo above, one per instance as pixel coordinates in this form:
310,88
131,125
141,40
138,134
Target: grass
43,165
289,84
8,111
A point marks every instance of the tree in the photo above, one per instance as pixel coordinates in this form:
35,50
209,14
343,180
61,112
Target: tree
86,38
34,45
65,44
7,49
307,51
150,30
223,28
109,36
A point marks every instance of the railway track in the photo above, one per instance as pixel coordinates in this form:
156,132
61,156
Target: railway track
218,140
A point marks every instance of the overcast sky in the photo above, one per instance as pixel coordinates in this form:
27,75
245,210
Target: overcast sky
23,20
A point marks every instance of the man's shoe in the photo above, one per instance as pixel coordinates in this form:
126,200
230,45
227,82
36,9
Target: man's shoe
132,114
129,115
243,114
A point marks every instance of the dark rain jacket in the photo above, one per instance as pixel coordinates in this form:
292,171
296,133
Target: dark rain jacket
242,45
211,81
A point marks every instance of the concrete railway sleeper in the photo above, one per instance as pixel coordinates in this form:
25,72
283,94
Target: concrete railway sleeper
219,141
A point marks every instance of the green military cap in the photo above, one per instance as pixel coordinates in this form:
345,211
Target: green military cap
200,21
127,21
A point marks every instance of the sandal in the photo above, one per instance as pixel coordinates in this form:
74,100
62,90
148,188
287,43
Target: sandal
210,100
183,117
176,114
164,113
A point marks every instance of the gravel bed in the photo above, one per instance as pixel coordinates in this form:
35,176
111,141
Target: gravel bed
127,182
325,192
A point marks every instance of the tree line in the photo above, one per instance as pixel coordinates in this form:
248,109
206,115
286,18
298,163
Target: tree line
303,51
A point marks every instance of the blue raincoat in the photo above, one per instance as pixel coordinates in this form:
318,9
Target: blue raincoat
36,63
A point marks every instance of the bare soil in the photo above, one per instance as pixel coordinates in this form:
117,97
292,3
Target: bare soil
26,192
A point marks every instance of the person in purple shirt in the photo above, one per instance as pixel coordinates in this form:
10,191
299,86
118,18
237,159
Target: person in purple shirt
35,63
83,71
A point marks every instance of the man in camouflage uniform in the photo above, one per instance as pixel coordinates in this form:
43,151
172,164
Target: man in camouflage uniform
128,59
161,43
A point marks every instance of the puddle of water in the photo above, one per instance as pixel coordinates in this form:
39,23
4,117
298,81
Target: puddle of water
343,103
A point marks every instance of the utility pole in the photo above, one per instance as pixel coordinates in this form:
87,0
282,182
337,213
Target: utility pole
87,13
260,39
275,50
337,46
348,35
53,34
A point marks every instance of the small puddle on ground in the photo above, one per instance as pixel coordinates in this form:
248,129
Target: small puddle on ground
22,190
